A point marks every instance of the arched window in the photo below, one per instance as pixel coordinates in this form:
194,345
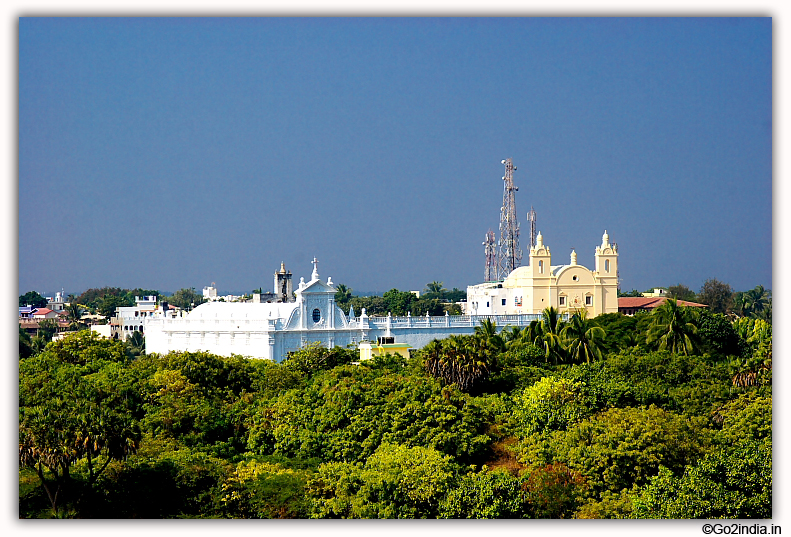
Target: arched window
316,315
606,265
541,267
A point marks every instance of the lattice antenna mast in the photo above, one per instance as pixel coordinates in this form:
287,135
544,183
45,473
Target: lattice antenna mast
509,256
490,249
531,221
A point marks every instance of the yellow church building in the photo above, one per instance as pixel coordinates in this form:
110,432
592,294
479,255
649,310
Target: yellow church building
568,288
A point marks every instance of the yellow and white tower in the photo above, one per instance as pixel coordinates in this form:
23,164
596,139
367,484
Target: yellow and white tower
606,276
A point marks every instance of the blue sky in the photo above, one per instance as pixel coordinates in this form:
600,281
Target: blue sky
169,153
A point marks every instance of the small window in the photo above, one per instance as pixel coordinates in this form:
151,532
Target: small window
588,300
316,315
518,301
563,301
541,267
503,302
575,278
606,265
487,303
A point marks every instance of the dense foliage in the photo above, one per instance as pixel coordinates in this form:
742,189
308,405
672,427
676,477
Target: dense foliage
660,415
400,303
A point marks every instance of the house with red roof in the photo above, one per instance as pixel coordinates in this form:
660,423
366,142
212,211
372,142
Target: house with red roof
629,305
44,313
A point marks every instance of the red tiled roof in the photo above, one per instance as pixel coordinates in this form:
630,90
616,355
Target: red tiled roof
42,311
638,302
650,303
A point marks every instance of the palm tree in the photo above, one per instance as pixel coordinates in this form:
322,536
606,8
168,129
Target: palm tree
515,337
673,328
755,300
487,330
37,343
435,287
342,294
460,360
740,304
766,313
548,336
581,338
136,343
74,313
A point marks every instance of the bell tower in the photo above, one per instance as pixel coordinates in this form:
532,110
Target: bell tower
607,258
284,288
606,276
540,259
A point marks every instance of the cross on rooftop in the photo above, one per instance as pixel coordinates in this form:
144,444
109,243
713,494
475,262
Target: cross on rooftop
315,275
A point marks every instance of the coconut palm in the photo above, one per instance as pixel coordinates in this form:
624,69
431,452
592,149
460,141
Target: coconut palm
766,313
515,337
673,328
136,343
581,337
74,313
38,342
342,294
487,330
755,300
435,287
739,304
548,334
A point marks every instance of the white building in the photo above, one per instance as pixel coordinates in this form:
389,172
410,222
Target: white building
568,288
57,303
272,330
210,292
131,319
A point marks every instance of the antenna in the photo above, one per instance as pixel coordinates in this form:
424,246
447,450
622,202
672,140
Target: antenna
509,255
490,251
531,221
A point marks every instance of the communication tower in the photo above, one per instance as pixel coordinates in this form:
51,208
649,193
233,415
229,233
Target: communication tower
490,248
509,255
531,220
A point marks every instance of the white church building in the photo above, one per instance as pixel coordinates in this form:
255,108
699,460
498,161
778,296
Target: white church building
568,288
273,329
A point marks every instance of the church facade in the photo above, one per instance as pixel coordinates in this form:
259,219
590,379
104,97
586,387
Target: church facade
568,288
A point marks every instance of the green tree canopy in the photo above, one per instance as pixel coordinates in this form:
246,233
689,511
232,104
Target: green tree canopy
621,447
68,414
681,292
47,328
718,295
185,298
32,298
633,293
733,482
396,481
